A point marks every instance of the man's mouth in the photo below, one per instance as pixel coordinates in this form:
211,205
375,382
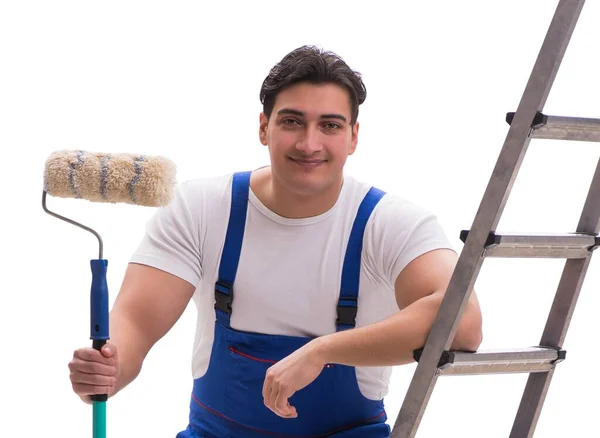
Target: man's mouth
307,161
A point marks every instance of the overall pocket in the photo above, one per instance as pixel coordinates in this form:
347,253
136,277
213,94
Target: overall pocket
245,403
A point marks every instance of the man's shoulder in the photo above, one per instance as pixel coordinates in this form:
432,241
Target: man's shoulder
212,181
203,188
392,203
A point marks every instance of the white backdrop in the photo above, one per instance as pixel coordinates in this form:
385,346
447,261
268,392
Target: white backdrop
182,79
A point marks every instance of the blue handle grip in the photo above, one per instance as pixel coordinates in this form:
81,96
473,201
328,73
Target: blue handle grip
99,301
99,311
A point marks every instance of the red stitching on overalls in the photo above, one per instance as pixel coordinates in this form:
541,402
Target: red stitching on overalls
258,359
264,432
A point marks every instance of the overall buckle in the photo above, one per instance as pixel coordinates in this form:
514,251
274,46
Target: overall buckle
347,314
223,297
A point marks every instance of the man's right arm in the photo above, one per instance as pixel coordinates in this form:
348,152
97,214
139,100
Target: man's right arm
148,305
158,285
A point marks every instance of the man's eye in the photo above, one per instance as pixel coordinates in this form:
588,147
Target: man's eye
290,122
332,125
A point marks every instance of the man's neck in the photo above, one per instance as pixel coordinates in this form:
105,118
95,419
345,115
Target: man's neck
287,203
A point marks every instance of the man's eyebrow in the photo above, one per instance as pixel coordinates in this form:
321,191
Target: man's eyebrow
334,116
290,111
301,114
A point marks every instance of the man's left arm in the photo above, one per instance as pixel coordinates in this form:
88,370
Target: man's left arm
419,290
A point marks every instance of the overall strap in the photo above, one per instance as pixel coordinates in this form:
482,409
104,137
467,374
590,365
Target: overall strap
348,302
232,248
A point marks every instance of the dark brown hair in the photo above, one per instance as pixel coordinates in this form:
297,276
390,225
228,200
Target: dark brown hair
313,65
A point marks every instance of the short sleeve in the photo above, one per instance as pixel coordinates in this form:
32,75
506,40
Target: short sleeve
398,232
172,241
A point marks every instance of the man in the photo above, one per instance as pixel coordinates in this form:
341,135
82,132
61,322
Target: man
309,284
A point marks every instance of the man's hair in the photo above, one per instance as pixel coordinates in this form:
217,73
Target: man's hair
313,65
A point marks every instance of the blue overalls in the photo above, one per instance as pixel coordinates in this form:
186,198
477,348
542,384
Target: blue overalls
227,401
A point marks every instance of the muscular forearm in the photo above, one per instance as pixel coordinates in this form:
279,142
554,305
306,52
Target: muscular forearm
393,340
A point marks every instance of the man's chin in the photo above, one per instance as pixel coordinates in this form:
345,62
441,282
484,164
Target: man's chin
309,185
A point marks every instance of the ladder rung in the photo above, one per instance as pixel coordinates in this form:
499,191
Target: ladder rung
569,245
563,128
523,360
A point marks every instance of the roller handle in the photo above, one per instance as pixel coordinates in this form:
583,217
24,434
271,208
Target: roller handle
99,311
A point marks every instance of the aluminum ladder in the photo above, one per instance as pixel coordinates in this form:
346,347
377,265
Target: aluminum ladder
481,241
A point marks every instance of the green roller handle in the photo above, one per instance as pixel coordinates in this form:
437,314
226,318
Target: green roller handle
99,419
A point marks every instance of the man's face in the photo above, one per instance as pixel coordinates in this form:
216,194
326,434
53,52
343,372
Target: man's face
309,137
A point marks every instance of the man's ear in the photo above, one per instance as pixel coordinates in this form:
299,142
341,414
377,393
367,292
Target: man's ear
354,140
262,128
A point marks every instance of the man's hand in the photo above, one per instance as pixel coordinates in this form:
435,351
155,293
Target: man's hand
289,375
94,372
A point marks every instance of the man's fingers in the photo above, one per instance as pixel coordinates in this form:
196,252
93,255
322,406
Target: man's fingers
83,366
276,394
92,379
108,350
282,405
91,374
94,372
91,355
271,394
278,400
272,400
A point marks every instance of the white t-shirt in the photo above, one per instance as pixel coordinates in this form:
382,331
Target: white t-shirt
289,274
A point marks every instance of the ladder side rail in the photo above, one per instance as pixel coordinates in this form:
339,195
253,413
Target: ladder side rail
560,316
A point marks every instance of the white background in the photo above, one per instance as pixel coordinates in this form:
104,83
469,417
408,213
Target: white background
182,79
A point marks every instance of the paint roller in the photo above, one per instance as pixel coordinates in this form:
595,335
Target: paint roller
110,178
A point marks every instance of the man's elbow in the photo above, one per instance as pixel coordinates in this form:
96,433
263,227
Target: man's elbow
469,334
469,341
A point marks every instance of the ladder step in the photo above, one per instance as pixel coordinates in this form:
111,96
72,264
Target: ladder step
569,245
562,128
523,360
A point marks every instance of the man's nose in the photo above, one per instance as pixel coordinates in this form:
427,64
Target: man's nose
310,141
